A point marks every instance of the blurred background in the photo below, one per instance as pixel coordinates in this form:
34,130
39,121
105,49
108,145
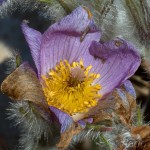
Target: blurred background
11,35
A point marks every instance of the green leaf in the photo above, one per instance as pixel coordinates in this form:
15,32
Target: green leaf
139,116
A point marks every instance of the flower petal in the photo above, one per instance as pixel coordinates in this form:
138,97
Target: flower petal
124,91
89,120
129,88
68,39
64,119
33,38
115,61
82,123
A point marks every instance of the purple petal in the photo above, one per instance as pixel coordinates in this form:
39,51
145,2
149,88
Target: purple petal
63,39
82,123
89,120
33,38
85,121
129,88
64,119
115,61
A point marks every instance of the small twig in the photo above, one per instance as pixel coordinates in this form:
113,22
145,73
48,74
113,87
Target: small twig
65,6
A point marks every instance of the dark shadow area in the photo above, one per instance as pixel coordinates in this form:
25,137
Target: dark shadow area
11,35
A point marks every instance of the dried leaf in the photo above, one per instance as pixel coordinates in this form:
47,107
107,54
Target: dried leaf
140,139
67,136
143,143
23,84
143,131
125,110
102,111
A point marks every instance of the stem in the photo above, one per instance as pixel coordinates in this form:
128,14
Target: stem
139,116
65,6
105,141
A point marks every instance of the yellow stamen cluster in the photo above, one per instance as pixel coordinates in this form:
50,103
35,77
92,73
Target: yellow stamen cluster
69,88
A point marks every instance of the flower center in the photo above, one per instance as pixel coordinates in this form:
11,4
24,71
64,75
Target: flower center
69,87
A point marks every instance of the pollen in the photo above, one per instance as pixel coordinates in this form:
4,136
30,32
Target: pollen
70,88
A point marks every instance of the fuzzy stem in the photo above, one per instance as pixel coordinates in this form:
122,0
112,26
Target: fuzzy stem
105,141
61,2
65,6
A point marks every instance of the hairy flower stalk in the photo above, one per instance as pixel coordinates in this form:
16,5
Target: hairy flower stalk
80,87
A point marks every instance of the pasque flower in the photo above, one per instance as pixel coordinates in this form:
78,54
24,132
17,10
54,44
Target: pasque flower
75,70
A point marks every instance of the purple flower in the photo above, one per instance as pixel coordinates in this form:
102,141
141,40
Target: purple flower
75,70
